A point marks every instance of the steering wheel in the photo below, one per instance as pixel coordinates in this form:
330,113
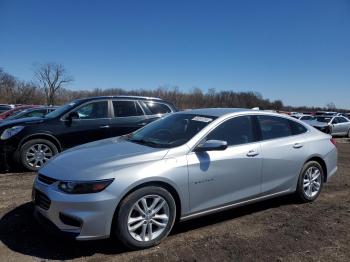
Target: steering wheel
163,133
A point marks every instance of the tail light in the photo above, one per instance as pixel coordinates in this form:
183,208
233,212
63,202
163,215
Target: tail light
333,141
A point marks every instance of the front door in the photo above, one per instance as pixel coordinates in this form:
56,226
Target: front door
92,123
217,178
340,126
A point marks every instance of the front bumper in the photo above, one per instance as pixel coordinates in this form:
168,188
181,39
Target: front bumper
89,216
8,149
324,129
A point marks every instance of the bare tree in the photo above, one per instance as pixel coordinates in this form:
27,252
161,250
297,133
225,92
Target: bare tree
331,106
51,78
7,86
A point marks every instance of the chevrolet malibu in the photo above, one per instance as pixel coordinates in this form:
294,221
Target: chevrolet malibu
180,167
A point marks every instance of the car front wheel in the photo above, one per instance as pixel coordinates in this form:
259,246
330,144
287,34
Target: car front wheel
310,182
145,217
35,153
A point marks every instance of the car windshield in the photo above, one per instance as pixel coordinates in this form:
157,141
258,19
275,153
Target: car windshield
323,119
18,114
171,131
61,110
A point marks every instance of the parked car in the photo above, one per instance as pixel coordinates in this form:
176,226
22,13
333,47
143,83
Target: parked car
323,127
15,110
32,112
304,117
339,125
185,165
325,113
5,107
347,115
33,141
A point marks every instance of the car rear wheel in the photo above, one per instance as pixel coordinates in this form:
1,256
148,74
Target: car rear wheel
310,182
35,153
145,217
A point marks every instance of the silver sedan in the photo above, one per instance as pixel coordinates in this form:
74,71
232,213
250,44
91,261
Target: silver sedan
338,125
183,166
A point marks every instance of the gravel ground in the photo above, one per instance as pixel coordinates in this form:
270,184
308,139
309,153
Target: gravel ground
274,230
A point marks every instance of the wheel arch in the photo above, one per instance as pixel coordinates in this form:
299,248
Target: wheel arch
46,136
319,160
159,183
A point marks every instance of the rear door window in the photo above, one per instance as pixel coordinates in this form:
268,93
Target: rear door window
157,108
126,108
274,127
36,113
297,128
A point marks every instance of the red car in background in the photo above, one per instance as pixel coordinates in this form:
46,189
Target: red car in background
16,110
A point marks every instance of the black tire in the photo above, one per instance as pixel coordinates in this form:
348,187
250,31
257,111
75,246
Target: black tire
349,133
26,147
300,192
120,224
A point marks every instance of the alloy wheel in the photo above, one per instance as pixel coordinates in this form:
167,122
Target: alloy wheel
38,154
312,181
148,218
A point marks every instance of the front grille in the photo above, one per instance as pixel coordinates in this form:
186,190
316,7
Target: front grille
42,200
46,180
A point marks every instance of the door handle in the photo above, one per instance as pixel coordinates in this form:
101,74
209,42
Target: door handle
105,126
252,153
142,124
297,145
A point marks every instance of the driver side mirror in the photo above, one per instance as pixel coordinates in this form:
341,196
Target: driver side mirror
211,145
72,116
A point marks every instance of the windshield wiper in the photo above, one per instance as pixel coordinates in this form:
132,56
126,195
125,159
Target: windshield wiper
144,142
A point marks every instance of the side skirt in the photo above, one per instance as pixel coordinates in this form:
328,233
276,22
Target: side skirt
230,206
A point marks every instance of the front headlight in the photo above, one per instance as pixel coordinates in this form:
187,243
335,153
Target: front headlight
10,132
79,187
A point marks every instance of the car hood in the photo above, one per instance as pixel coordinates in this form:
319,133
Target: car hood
98,159
315,123
21,121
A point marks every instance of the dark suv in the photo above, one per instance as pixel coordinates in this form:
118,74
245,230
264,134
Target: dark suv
33,141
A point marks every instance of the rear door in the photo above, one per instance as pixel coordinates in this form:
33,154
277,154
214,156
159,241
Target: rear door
284,152
127,116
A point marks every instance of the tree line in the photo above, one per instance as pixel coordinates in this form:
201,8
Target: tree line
51,80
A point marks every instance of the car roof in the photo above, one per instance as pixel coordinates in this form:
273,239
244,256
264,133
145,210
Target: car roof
328,116
40,108
120,97
217,111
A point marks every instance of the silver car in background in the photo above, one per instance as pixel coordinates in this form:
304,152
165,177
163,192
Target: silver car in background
180,167
339,125
303,117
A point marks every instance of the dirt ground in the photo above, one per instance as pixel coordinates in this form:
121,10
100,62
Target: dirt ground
274,230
